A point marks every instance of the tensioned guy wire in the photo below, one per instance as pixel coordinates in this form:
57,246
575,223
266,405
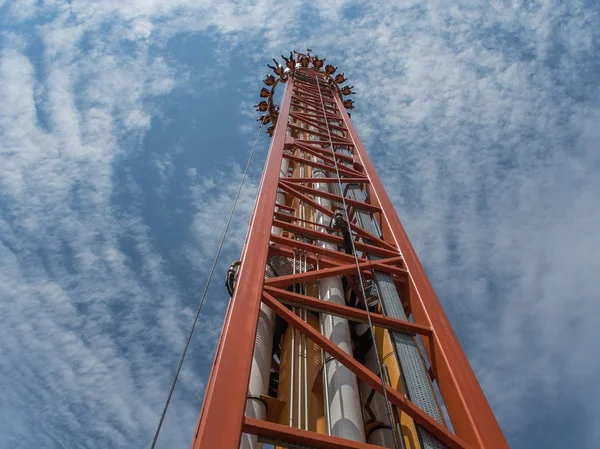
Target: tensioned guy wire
362,286
210,274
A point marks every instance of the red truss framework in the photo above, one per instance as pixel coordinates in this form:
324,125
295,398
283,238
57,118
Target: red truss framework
308,94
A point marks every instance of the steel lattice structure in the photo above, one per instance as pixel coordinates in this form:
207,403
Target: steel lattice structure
332,307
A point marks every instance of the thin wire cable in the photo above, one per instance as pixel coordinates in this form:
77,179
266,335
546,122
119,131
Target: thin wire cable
362,286
210,274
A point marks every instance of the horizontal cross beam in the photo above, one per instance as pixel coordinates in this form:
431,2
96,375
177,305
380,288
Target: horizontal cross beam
313,119
323,260
337,198
336,255
327,180
350,313
278,434
325,157
326,152
308,131
284,281
326,237
357,230
396,398
327,168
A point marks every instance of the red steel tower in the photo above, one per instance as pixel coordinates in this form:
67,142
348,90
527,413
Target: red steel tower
334,337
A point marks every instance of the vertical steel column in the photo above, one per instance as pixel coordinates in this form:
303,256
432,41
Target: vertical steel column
222,414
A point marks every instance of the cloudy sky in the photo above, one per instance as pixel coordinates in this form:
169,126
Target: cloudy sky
124,126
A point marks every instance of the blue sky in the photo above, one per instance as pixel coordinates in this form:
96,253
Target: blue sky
123,130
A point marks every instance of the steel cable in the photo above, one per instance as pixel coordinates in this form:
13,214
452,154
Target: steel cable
362,286
210,275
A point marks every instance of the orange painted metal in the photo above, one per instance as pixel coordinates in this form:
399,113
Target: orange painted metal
325,259
350,313
343,171
322,154
347,258
381,264
358,231
472,417
334,197
327,180
307,118
221,419
284,434
292,189
427,422
300,230
220,424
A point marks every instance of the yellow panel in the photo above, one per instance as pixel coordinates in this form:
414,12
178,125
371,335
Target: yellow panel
316,413
386,353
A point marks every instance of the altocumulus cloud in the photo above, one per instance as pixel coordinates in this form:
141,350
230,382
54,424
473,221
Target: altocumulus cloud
481,117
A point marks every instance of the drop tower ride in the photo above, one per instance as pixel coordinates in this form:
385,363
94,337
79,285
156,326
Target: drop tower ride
334,337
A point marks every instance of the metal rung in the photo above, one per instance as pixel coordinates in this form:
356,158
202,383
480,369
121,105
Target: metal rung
283,443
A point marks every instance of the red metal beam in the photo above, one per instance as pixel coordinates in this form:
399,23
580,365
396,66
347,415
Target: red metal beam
325,156
337,198
288,208
359,233
308,131
322,142
330,168
399,400
471,415
221,426
306,94
350,313
306,87
305,108
326,237
326,180
304,91
313,119
325,152
284,281
325,261
309,102
337,118
336,138
278,434
292,219
319,117
345,258
308,123
293,191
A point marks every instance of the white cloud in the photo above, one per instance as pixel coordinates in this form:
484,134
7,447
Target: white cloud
481,117
489,150
83,347
213,197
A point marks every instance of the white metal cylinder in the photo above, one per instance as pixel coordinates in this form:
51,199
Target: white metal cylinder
281,198
343,397
259,375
